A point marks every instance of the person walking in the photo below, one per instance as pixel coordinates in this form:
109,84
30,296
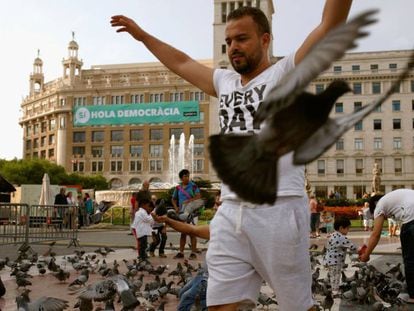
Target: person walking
400,205
89,208
249,242
336,247
314,217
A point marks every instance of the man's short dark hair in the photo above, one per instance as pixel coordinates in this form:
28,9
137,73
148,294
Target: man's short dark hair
144,201
343,222
256,14
373,200
183,172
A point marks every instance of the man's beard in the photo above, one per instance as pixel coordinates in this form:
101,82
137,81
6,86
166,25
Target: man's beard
248,65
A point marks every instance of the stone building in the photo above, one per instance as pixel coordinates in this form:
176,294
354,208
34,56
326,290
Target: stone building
137,150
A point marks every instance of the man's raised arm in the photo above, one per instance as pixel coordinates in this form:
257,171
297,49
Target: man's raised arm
178,62
334,13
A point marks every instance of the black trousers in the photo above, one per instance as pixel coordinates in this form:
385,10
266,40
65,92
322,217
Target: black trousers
143,244
407,246
158,238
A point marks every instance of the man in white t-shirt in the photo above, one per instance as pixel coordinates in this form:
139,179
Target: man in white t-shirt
251,242
398,204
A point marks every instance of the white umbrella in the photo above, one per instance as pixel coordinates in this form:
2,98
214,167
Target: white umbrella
46,196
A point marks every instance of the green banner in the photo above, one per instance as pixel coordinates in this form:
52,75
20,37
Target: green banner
187,111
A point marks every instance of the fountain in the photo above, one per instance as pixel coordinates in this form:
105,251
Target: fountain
180,158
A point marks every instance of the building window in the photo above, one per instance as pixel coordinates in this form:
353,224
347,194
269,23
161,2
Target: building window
176,97
98,100
392,66
377,124
97,151
117,99
377,143
223,49
339,107
51,139
28,130
197,96
358,126
43,127
52,124
176,132
36,143
136,150
337,69
224,12
359,144
413,123
117,151
355,68
98,136
137,98
396,142
117,135
135,166
79,137
398,166
79,101
339,167
78,166
156,98
396,124
97,166
357,106
412,88
340,144
136,135
359,166
116,166
78,151
198,165
321,167
357,88
374,67
319,88
156,134
378,108
156,151
28,144
51,153
198,149
36,129
376,87
42,141
197,132
155,166
396,105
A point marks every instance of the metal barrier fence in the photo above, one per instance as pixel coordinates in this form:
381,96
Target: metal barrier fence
21,223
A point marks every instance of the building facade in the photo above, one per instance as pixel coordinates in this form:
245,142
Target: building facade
131,153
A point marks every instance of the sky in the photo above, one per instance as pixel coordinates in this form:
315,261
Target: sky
27,26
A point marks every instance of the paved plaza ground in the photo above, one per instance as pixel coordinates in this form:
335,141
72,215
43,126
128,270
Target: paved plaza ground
387,251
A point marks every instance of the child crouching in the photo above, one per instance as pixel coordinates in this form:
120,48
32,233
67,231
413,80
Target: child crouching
142,226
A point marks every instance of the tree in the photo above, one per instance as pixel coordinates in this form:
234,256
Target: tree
31,171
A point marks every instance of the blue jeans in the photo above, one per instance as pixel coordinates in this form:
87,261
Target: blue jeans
407,242
188,294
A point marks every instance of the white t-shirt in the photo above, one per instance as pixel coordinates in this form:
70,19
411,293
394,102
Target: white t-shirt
398,204
237,105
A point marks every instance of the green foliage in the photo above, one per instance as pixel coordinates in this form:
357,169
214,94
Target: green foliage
207,215
31,171
344,202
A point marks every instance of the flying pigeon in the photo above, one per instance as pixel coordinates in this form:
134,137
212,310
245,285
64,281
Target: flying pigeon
292,120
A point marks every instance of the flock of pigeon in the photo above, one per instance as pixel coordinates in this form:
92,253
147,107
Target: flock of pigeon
366,288
116,285
139,285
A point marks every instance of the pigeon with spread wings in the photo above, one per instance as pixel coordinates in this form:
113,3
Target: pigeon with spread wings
289,116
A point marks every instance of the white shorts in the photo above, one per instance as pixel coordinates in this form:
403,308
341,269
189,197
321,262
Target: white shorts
248,245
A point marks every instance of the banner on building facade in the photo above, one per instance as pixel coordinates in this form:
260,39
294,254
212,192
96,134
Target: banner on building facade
185,111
